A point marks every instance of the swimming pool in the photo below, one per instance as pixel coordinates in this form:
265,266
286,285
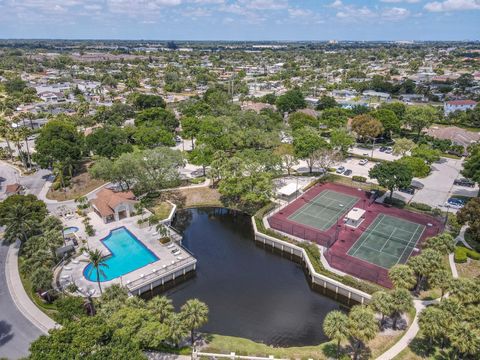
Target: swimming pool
70,230
127,254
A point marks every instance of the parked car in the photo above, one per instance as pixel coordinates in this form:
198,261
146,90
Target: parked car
347,172
178,139
196,173
382,148
340,170
388,150
363,162
464,182
409,190
455,203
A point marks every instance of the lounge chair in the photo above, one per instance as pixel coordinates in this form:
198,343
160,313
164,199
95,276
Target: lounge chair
179,257
75,262
67,268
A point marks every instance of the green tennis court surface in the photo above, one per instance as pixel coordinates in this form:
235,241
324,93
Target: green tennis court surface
324,210
387,241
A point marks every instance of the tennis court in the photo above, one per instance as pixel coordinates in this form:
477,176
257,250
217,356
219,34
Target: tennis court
324,210
387,241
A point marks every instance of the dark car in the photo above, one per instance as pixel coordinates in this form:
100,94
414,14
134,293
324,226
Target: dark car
382,149
464,182
347,172
409,190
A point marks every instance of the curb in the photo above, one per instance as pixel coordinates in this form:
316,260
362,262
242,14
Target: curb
20,297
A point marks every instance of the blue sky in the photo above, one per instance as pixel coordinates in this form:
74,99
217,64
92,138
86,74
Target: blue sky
242,19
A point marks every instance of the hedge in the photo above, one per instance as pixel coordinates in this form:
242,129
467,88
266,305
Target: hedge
462,253
361,179
421,206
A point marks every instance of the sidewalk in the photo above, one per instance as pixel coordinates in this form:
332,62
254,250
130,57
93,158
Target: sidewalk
409,335
20,297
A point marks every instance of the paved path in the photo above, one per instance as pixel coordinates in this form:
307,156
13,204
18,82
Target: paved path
16,331
409,335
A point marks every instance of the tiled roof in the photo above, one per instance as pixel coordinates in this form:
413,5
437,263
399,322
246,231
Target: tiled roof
107,200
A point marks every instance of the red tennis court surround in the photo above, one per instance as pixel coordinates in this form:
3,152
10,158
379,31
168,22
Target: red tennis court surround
339,238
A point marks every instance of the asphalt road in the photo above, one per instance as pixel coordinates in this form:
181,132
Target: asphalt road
16,332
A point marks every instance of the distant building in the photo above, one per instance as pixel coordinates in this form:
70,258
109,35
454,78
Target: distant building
458,105
370,94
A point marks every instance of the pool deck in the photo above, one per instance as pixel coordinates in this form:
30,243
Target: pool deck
168,267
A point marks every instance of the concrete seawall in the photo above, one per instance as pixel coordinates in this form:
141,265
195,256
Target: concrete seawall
333,286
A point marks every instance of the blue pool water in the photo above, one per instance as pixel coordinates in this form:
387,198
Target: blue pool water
128,254
70,230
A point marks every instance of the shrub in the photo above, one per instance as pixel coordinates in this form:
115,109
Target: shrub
472,254
394,202
359,178
421,206
460,254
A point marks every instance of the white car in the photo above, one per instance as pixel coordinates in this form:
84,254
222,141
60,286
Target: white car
389,150
363,162
340,170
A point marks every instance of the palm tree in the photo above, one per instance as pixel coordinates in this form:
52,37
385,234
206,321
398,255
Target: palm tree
194,314
5,132
19,223
441,279
177,330
430,322
382,303
162,307
402,276
465,339
362,326
335,326
401,301
95,257
162,230
25,133
58,172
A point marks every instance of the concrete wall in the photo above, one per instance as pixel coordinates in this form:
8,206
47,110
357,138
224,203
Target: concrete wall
331,285
160,280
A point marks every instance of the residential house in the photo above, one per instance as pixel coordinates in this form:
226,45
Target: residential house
458,105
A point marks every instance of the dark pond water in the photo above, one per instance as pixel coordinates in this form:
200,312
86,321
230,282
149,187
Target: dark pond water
251,293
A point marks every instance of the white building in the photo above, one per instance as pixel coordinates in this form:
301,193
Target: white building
458,105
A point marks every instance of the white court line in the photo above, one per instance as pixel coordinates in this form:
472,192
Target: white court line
368,235
418,238
314,202
385,243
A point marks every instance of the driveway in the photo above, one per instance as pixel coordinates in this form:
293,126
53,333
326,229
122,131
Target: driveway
33,183
439,184
16,332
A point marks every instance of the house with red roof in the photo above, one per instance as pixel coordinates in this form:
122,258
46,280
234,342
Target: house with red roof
458,105
113,205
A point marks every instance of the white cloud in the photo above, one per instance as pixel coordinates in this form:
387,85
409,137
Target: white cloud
295,12
395,13
336,4
452,5
264,4
400,1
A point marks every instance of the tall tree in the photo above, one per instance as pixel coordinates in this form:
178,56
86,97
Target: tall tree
194,314
335,326
305,142
402,276
392,175
420,117
362,326
97,260
291,101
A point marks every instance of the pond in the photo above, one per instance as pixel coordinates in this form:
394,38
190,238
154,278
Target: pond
252,293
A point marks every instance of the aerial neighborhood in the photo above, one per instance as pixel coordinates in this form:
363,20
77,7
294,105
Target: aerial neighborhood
240,200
